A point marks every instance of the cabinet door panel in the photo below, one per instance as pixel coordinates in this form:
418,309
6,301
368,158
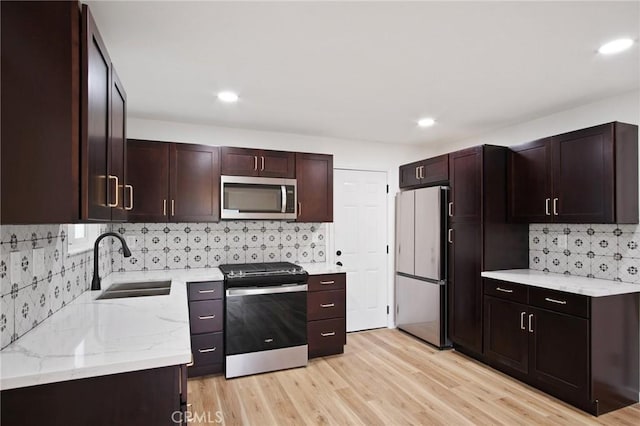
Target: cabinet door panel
559,354
118,149
194,183
314,174
506,339
435,170
465,286
582,160
96,115
148,173
409,175
277,164
466,189
530,194
239,161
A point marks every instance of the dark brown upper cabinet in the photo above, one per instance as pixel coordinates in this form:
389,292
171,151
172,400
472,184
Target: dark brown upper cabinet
40,48
63,117
585,176
173,182
102,137
465,198
257,162
427,172
314,175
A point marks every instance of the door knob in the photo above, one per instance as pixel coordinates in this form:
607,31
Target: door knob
338,253
339,263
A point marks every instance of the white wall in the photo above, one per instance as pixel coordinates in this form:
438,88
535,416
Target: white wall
347,154
625,108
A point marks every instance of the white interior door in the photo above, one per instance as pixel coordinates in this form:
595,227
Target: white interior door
360,235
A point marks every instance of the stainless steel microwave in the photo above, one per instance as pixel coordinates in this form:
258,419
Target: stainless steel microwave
244,197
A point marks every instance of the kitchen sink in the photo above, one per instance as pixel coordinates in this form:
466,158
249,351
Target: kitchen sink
140,285
137,289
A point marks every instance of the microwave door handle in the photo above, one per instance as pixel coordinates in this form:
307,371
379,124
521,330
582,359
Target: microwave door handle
283,190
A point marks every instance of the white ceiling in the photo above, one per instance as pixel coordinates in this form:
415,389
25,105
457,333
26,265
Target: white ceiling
367,70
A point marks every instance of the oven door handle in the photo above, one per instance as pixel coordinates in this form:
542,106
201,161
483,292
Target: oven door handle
253,291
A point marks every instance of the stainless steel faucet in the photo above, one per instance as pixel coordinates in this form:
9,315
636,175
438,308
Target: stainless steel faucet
95,283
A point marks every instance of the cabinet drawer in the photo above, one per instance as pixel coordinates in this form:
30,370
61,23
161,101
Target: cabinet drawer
207,349
505,290
206,290
326,337
205,316
326,304
327,282
568,303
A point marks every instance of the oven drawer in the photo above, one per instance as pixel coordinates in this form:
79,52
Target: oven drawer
325,304
326,337
206,290
327,282
207,349
205,316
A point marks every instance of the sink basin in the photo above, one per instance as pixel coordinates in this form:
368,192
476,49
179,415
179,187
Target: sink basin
137,289
141,285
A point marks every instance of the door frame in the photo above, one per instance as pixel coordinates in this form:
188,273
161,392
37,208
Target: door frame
389,235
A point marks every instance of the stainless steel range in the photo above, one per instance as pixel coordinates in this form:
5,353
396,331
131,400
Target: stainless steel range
266,317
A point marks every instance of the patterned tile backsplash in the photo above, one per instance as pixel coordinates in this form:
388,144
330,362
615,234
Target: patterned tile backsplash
35,292
207,245
610,252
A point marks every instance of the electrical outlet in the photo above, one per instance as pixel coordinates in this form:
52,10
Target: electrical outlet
16,267
38,262
132,241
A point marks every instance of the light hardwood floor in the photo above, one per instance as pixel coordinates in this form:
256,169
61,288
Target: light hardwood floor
386,377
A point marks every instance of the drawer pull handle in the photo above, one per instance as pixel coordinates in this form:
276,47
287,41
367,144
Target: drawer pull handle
504,290
327,305
331,333
530,326
522,314
327,282
204,351
206,317
268,340
559,302
191,363
206,291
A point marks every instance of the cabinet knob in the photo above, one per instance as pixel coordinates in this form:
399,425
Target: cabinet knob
338,253
339,263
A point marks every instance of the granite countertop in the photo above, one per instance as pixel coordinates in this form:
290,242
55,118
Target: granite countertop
568,283
90,337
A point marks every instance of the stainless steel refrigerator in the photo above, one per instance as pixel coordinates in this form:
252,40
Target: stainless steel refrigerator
421,267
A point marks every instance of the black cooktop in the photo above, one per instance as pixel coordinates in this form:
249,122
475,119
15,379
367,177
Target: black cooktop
262,274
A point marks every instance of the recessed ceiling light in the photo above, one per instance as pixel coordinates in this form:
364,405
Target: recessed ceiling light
228,97
615,46
426,122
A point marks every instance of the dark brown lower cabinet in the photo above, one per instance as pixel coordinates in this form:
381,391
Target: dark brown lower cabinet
147,397
465,286
206,321
326,313
581,349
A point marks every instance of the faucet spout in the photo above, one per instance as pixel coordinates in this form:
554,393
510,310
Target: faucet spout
95,282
